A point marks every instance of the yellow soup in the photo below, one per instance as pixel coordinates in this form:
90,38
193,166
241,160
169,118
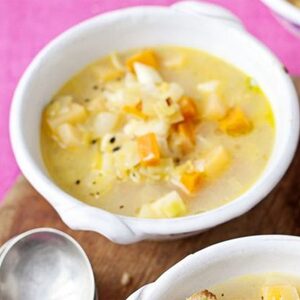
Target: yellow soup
268,286
157,133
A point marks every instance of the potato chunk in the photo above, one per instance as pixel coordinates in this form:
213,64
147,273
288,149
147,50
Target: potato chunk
235,122
146,74
169,206
69,135
148,149
280,292
216,161
146,57
68,113
104,122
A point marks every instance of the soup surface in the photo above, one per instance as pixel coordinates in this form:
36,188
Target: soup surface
157,133
269,286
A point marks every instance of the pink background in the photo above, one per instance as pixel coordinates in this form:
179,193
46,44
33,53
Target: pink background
27,25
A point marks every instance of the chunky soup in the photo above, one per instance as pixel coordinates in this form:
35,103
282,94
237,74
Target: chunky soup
270,286
157,133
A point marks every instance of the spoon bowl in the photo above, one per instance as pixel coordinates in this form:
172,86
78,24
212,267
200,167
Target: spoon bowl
45,264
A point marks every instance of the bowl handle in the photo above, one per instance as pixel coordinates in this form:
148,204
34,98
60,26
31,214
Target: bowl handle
111,226
210,11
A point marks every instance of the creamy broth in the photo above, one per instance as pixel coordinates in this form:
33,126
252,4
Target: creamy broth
74,170
268,286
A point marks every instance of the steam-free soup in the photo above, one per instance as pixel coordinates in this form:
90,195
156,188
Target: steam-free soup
157,133
269,286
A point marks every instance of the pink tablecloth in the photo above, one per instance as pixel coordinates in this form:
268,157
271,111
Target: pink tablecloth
27,25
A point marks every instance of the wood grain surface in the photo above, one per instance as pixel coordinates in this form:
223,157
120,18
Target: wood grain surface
25,209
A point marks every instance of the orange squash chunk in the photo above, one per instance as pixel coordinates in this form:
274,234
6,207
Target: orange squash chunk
148,149
235,122
191,181
146,57
188,108
186,130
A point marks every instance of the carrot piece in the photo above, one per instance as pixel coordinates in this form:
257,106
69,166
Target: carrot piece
191,181
146,57
188,108
148,149
135,110
235,122
187,130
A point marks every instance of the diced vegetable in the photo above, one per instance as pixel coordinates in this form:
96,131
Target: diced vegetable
280,292
146,74
135,111
69,135
169,206
104,122
213,107
216,161
138,128
235,122
66,113
191,181
146,57
188,108
95,105
182,138
148,149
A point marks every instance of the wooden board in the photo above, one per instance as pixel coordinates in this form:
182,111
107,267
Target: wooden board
24,209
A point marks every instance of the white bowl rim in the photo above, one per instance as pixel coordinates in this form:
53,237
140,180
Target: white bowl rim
185,224
285,9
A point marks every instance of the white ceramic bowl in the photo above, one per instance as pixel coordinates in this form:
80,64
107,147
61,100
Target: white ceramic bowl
193,24
220,262
287,13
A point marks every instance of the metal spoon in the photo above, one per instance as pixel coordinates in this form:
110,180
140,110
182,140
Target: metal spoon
45,264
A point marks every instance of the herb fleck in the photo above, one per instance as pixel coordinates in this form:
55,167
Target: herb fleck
112,140
94,182
169,101
116,149
95,87
87,99
121,206
94,141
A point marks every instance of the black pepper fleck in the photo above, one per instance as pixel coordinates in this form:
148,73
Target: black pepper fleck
222,295
94,141
77,181
121,206
112,140
177,160
169,101
95,87
116,149
285,69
